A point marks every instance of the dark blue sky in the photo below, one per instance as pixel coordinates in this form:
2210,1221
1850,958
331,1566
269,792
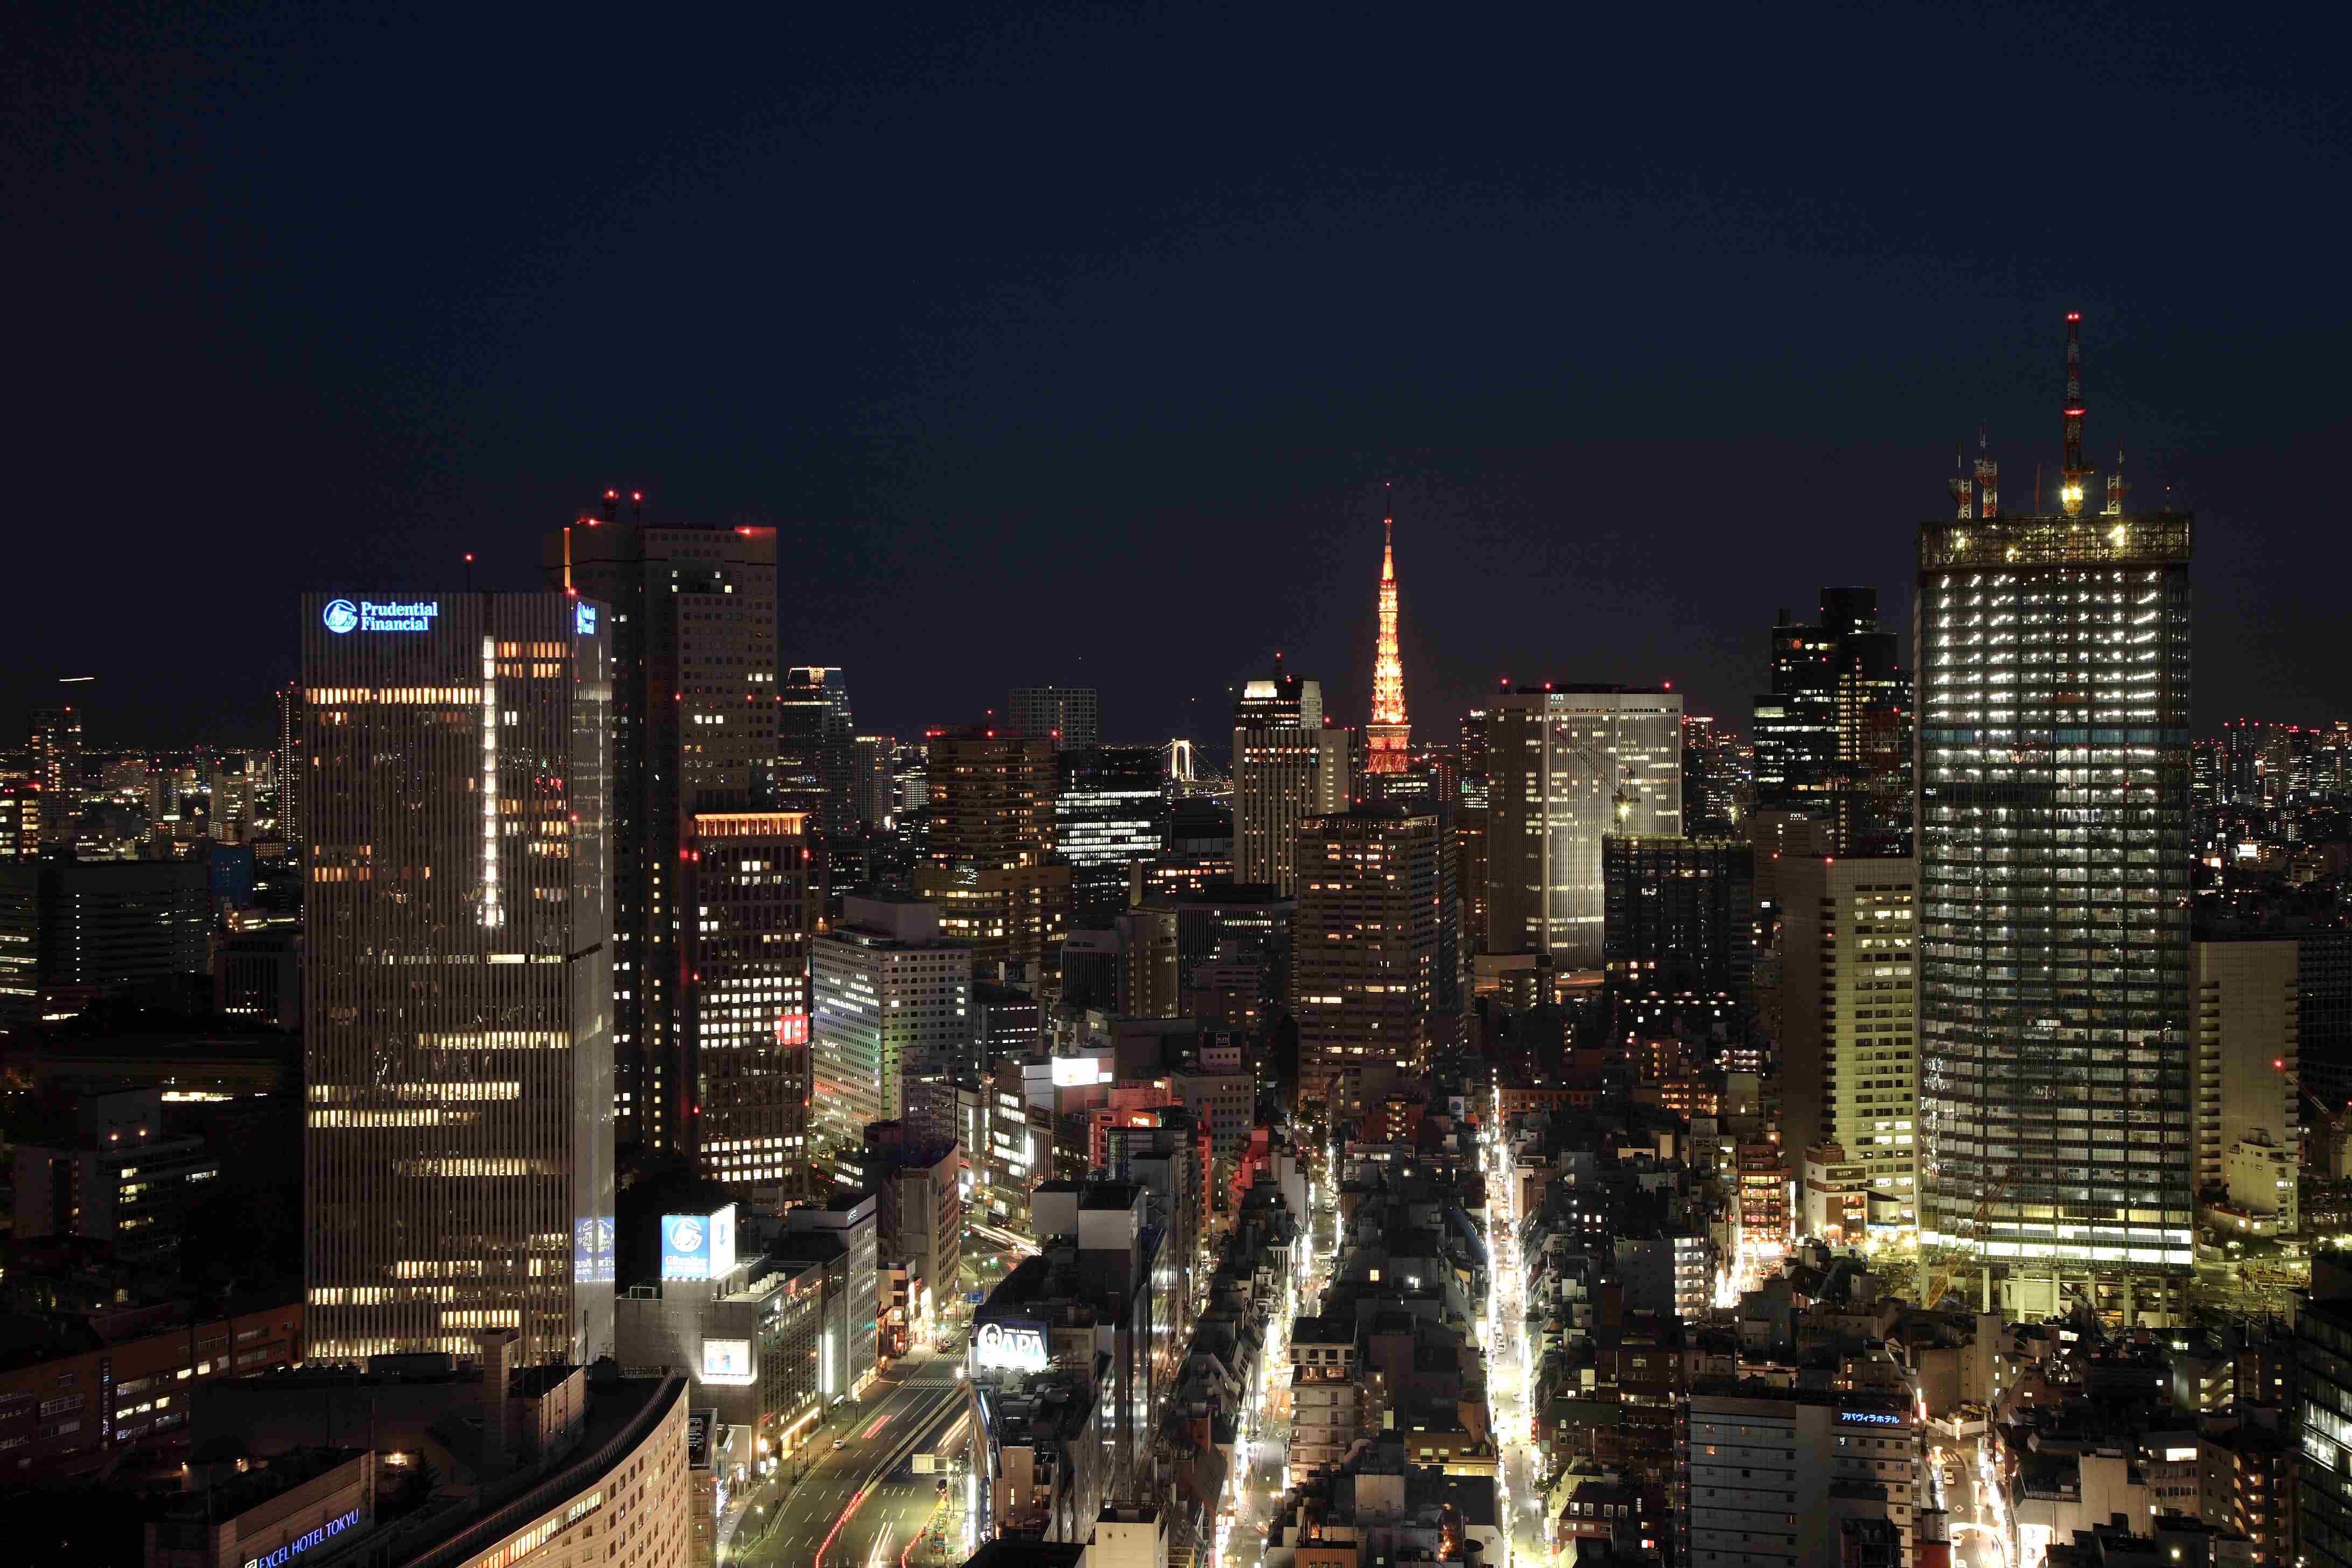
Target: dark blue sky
1074,345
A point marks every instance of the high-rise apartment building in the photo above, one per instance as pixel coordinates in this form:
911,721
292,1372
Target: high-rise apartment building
2249,1057
692,624
458,982
751,890
1470,830
2055,1002
1109,812
53,747
1288,765
1069,716
1567,766
893,1012
1849,1047
1680,914
1364,946
1834,735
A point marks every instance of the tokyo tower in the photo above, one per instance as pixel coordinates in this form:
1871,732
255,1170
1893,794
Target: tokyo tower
1388,736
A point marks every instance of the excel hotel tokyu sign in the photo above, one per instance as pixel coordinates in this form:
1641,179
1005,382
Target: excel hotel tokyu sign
301,1544
342,616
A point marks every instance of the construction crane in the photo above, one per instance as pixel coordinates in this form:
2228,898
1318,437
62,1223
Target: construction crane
1624,799
1947,1268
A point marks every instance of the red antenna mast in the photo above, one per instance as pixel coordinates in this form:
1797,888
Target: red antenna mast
1963,492
2070,487
1987,476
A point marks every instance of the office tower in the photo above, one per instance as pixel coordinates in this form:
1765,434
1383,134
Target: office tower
1569,765
1108,813
457,1044
1069,716
1287,766
1364,952
692,629
893,1013
53,748
290,765
2249,1060
751,890
987,858
20,820
1834,736
1680,914
1711,777
2054,1000
816,747
1387,739
844,1220
1849,1053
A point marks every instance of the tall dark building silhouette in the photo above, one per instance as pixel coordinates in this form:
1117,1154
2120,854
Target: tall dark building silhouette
1681,913
1832,737
817,748
693,627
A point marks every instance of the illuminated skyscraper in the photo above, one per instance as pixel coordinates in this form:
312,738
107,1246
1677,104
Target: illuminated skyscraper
2056,1027
893,1013
1389,737
752,890
1111,812
693,631
816,749
287,766
1288,765
1834,735
988,862
458,974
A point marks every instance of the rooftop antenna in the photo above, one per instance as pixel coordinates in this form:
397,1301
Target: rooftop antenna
2070,484
2116,489
1962,487
1987,476
611,504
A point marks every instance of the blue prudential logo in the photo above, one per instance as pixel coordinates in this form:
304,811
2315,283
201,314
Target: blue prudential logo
584,619
342,617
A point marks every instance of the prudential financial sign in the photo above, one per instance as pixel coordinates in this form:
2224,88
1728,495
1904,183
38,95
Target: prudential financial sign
367,616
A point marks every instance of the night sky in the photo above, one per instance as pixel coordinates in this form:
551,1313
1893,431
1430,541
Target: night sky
1076,346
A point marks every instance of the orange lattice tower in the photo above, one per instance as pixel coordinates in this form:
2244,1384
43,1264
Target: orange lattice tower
1389,738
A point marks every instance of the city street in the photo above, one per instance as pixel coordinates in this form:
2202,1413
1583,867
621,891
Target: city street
1517,1495
843,1505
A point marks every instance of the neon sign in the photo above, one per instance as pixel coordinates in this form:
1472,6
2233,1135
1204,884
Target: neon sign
302,1543
1871,1417
584,619
342,616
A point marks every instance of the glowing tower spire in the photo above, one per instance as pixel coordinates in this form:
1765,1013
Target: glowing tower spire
1388,736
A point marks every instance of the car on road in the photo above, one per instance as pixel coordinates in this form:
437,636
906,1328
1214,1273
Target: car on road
841,1442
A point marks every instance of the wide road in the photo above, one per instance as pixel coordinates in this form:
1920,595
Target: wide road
917,1395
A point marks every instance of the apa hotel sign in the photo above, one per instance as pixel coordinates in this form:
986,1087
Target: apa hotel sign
1014,1347
367,616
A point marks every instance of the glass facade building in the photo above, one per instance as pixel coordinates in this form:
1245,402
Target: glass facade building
1110,812
1567,767
2055,1021
458,1051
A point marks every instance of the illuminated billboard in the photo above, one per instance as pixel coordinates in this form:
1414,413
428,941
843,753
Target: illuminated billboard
1011,1347
727,1361
698,1246
1079,1072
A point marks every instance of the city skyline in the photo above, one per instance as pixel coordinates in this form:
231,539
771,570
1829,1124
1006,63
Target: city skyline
1663,364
